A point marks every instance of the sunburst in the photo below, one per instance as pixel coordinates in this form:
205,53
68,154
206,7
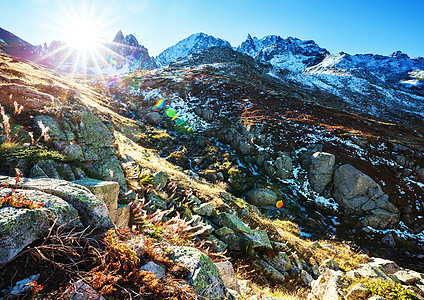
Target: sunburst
83,29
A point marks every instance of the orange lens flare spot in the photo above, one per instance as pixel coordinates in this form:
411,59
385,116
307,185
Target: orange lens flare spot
279,204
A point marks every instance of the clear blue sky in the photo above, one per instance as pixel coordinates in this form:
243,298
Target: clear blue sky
355,26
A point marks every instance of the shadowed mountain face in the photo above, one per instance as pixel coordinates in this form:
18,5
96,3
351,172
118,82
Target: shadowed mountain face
13,45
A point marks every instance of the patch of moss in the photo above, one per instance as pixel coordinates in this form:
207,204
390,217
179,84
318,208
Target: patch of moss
33,155
383,288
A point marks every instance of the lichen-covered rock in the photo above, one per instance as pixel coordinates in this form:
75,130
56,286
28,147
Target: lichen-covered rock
281,261
91,210
107,191
19,228
231,221
271,270
160,179
306,277
205,209
321,170
358,291
204,276
261,197
57,209
258,238
154,268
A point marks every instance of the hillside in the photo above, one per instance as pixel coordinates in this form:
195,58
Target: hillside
217,158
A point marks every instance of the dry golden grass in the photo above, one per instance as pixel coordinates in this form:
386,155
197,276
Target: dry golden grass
289,233
151,160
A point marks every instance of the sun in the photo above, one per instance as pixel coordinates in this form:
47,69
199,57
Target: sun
83,35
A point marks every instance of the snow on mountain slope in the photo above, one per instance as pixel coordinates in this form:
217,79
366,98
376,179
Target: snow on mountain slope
377,69
291,53
187,46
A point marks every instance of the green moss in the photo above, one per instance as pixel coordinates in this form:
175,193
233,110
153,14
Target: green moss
381,287
33,155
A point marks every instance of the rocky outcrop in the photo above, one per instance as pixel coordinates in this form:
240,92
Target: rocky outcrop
330,286
91,210
83,137
204,276
358,194
321,170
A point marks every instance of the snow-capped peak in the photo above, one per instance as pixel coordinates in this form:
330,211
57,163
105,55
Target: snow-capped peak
189,45
291,53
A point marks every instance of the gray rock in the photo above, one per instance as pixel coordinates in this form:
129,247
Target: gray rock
82,291
91,210
357,193
420,174
377,298
208,114
358,291
154,118
228,276
283,167
245,148
107,191
160,179
122,216
57,209
306,278
380,219
231,221
261,197
327,286
281,261
233,241
204,276
321,170
19,228
388,266
37,172
223,231
271,270
154,268
407,277
205,209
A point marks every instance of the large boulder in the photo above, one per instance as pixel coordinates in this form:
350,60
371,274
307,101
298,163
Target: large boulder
261,197
19,228
91,210
204,276
57,209
321,170
359,195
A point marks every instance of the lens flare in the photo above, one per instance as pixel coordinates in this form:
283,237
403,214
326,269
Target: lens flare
112,60
279,204
160,103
